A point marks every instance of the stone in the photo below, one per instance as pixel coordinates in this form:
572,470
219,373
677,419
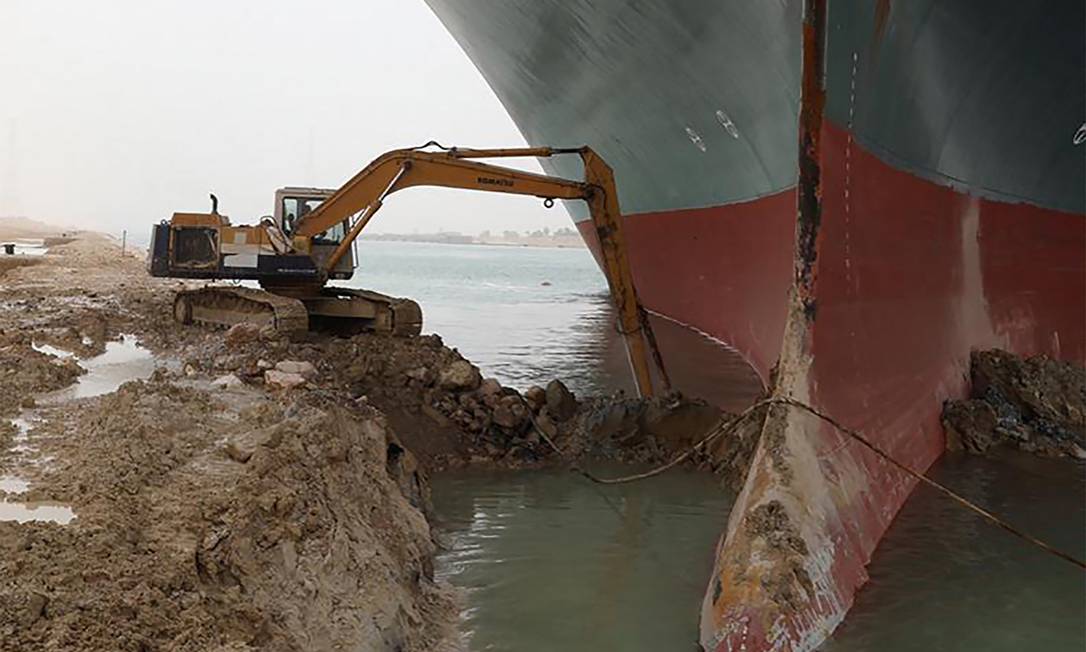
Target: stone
229,362
239,450
227,382
560,401
35,609
242,333
459,376
547,426
536,398
264,365
970,425
504,417
490,387
421,374
283,380
300,368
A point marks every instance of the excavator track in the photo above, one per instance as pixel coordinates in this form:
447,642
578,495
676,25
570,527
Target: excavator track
338,309
228,305
391,314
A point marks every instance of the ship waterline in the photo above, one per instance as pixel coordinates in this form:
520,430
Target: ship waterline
952,219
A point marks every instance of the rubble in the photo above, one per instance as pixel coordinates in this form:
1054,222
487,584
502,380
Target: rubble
460,376
283,379
227,382
560,401
304,369
1037,405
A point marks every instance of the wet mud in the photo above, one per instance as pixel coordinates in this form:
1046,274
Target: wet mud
240,490
1037,405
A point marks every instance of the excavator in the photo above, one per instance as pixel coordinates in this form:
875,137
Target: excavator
309,240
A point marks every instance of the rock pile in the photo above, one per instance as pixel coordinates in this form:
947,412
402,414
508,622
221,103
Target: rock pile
448,414
1037,405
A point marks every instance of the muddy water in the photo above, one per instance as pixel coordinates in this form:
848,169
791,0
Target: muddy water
942,579
122,361
548,561
547,565
25,512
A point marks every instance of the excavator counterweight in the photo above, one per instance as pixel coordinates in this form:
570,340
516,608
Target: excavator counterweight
310,240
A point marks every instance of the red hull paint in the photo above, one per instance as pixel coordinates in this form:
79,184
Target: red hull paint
725,270
912,276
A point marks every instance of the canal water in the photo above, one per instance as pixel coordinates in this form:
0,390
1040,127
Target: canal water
528,315
547,561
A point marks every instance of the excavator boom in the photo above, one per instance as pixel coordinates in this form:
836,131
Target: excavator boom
314,256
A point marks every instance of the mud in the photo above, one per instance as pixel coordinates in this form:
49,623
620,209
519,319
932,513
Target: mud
303,542
11,262
257,491
1037,405
770,523
26,372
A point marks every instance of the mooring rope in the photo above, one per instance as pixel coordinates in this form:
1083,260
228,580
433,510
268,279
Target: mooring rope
724,427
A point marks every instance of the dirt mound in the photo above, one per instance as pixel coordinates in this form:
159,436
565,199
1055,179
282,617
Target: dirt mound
8,263
25,372
1036,405
448,415
234,524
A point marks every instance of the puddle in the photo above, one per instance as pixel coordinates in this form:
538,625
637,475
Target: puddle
26,512
49,349
13,484
122,361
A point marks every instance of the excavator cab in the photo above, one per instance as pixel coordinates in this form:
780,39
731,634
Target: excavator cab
294,270
293,204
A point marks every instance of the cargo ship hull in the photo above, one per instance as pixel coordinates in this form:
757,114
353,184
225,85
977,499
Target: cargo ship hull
953,171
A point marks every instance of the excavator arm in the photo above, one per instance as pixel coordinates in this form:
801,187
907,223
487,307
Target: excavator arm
365,193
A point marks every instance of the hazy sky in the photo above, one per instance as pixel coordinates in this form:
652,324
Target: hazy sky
114,114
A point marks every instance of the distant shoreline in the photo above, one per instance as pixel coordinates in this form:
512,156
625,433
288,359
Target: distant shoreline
539,242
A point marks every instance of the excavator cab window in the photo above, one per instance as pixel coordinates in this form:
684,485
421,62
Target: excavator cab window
296,208
333,235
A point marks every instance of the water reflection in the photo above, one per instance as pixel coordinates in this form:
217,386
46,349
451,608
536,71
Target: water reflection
122,361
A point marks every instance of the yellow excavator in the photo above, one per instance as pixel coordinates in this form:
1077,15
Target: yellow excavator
309,241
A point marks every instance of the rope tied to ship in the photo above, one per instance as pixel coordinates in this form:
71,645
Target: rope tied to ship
726,426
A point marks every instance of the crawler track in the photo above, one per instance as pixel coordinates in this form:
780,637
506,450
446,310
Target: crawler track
226,306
